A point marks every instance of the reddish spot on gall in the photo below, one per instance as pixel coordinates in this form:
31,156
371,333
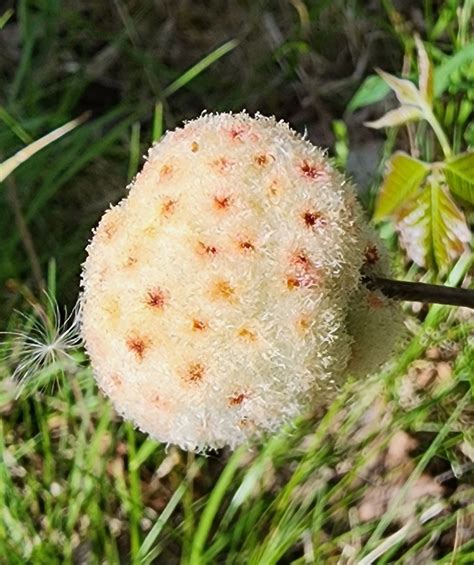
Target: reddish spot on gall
199,325
110,229
311,171
166,170
261,160
242,132
312,218
131,261
222,164
138,346
303,324
194,146
237,132
374,301
116,380
168,207
371,254
275,188
247,334
303,272
223,290
155,298
112,222
237,399
246,423
222,202
301,259
246,245
293,282
195,372
204,249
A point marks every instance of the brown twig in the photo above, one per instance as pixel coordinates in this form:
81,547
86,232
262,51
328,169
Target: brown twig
26,238
421,292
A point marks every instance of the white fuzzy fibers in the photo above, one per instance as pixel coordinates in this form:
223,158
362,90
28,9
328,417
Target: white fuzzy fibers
216,295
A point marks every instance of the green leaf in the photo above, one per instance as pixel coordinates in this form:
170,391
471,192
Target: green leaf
460,176
443,73
405,90
403,177
425,71
449,230
396,117
433,230
373,89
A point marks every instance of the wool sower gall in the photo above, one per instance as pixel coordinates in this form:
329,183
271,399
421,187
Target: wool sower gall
216,295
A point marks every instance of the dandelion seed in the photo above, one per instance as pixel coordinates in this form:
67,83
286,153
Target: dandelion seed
44,344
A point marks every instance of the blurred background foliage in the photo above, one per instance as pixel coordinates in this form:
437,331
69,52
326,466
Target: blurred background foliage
301,61
310,63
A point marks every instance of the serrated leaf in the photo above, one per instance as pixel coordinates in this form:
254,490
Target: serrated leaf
433,230
8,166
405,90
460,176
450,233
403,178
396,117
373,89
425,71
413,225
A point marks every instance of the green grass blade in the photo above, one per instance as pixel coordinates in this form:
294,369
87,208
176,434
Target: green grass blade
397,500
198,68
5,17
212,506
145,553
8,166
157,131
15,126
134,160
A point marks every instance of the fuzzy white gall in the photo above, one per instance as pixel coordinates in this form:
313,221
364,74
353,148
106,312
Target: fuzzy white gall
216,296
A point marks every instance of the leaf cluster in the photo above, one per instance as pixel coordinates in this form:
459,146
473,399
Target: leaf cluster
423,198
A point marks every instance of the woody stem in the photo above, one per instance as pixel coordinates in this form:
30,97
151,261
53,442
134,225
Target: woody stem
421,292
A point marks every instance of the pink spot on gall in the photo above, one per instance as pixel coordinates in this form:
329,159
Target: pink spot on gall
222,202
155,299
222,164
204,249
311,171
199,325
312,218
168,207
371,254
303,273
195,372
138,346
237,399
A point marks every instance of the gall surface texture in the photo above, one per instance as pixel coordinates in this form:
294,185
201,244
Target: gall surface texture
222,296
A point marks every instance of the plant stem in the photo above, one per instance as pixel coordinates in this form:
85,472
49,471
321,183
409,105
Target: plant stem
421,292
438,130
